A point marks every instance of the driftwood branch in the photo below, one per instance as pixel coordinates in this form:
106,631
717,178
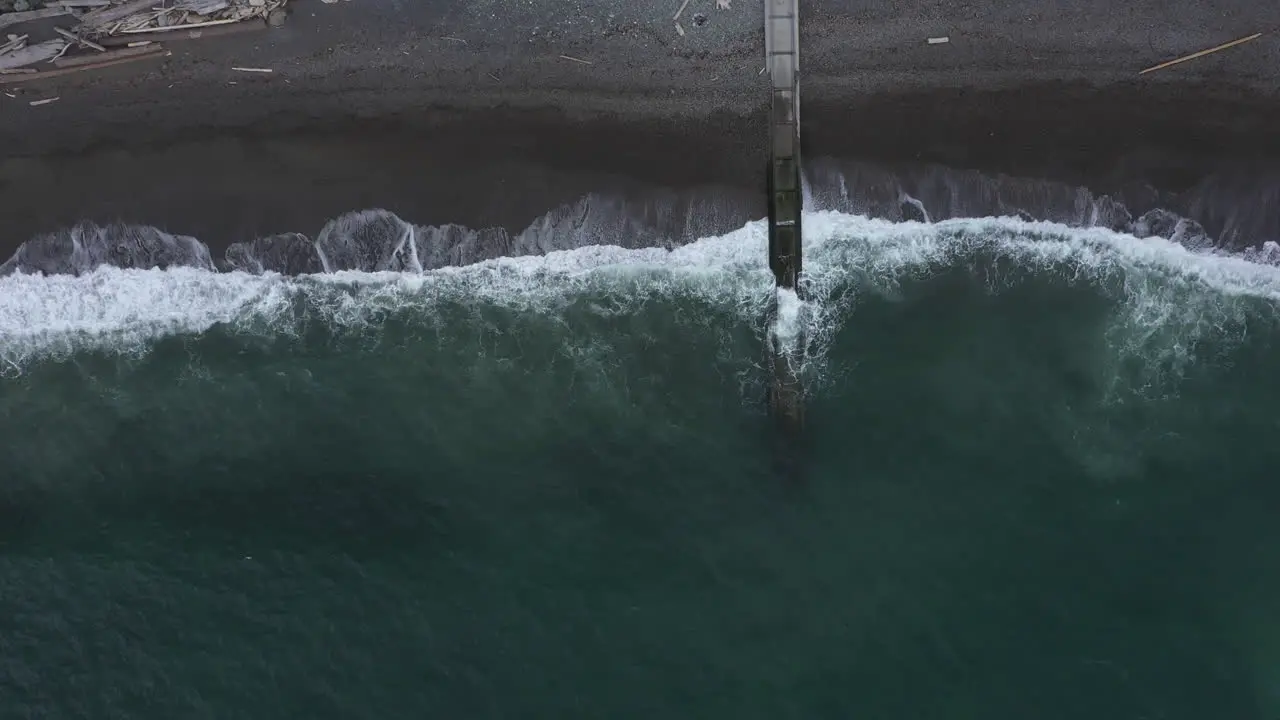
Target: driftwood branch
17,42
196,34
1202,53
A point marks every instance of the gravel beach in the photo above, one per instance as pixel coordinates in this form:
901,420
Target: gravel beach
489,113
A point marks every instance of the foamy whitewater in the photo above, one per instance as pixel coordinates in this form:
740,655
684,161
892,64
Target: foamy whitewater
1036,478
1170,294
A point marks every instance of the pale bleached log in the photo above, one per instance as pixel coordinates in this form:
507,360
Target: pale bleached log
14,18
32,54
95,58
101,17
203,7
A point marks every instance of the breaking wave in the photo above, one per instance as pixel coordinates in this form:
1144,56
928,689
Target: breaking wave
1166,295
1222,212
531,449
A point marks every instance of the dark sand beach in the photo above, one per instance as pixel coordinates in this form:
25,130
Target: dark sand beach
470,112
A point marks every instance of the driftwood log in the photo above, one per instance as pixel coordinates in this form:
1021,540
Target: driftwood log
95,58
30,54
156,52
203,7
106,15
15,18
185,32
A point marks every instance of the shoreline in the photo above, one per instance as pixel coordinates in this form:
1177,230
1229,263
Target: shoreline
505,167
446,111
626,59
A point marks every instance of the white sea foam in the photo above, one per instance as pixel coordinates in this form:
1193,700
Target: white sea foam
1166,288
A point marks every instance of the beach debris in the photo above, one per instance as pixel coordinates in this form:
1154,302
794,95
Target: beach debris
65,47
679,30
46,101
111,17
577,60
112,13
187,32
680,12
699,19
185,27
253,70
939,40
203,7
98,25
82,42
724,4
81,60
92,62
15,18
1202,53
31,54
15,42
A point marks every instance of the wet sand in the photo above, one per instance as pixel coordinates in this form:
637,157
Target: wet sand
467,112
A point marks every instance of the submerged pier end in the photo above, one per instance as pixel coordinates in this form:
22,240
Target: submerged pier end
782,60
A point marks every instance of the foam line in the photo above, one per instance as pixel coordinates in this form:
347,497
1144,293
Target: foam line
124,310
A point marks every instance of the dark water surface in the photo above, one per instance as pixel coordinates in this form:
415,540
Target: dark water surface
1040,484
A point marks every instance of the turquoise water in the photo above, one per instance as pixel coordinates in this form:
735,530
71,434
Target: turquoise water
1038,483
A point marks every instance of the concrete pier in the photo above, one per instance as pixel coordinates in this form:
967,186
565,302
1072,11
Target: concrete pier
782,60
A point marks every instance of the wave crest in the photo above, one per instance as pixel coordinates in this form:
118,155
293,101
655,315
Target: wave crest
378,240
1166,297
87,247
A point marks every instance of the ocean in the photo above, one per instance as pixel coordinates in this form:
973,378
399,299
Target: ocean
1037,480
